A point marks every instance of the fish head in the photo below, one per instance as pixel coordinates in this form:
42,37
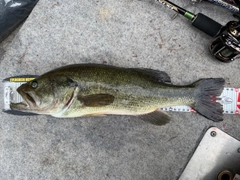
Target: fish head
47,94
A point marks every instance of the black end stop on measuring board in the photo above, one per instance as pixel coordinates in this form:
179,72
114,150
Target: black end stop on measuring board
206,24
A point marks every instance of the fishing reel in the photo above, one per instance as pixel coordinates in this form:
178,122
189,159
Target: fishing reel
226,43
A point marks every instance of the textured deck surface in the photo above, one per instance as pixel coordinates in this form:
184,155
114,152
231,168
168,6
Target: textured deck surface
127,33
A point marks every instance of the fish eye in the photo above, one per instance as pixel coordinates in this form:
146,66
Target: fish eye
34,84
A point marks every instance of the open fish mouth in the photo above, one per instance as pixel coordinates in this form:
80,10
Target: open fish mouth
30,102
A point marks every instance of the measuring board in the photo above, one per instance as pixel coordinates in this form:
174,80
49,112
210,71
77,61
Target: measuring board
230,97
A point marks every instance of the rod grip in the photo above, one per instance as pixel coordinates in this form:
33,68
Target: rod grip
206,24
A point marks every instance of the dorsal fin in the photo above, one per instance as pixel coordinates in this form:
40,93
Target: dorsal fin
154,75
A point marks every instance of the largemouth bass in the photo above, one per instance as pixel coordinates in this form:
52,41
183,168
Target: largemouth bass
95,90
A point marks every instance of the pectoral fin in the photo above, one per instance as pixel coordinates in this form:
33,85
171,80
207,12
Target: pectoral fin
96,100
156,117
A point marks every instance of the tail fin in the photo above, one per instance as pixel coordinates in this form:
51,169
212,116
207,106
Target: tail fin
205,93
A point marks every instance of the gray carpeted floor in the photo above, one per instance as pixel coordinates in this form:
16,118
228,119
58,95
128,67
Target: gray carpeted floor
126,33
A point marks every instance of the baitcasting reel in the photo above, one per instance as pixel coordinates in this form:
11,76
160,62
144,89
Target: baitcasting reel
226,43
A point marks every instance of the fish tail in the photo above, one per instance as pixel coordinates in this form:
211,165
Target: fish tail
206,92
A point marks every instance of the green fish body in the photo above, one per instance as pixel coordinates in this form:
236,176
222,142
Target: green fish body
95,90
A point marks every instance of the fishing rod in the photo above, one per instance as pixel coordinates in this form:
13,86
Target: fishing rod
231,5
226,43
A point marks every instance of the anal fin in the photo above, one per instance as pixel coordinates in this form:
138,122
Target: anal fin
156,117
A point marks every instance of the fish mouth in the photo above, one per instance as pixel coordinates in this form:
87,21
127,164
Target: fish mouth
30,102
